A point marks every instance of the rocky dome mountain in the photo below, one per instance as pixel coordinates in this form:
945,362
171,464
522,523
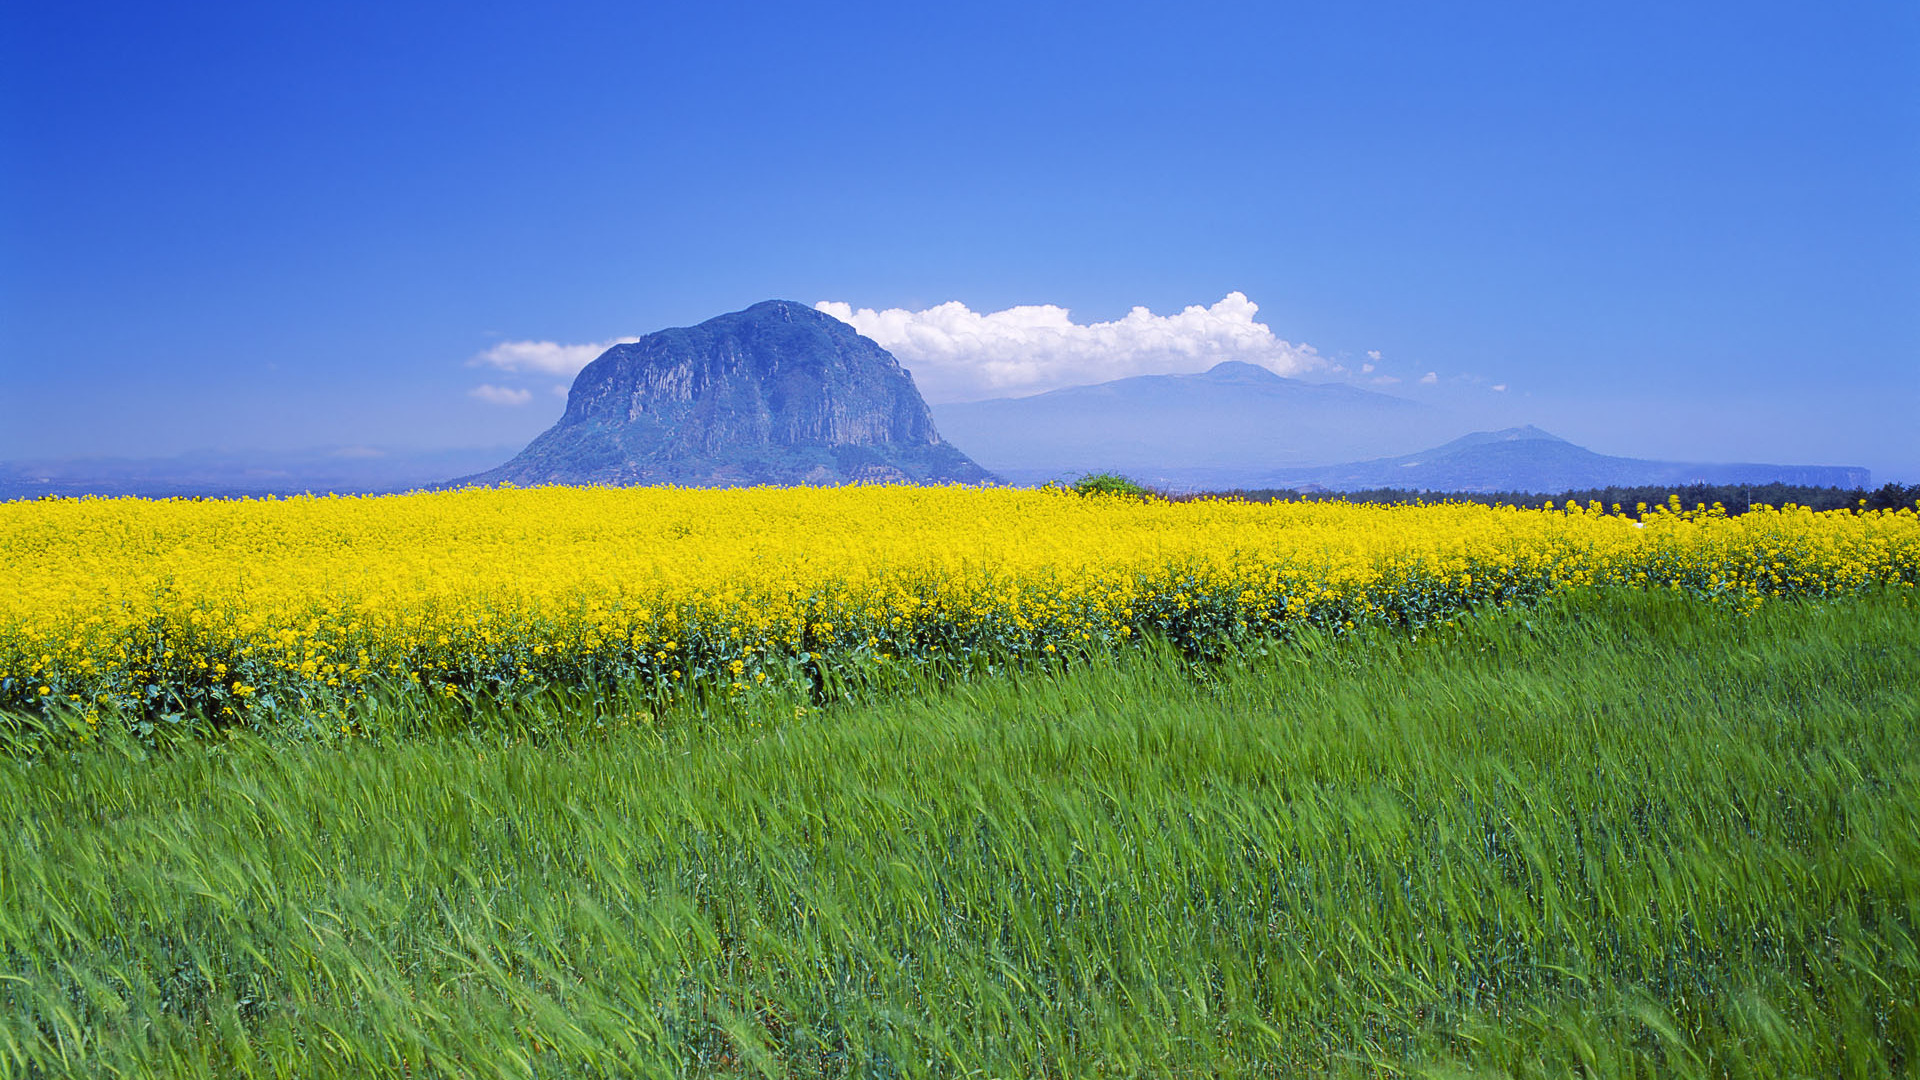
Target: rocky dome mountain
776,394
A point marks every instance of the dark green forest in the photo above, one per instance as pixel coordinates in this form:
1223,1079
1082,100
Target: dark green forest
1736,498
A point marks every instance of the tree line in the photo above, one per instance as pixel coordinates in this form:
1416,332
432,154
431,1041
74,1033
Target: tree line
1735,498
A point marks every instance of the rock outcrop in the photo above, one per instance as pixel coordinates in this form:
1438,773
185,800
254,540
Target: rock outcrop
776,394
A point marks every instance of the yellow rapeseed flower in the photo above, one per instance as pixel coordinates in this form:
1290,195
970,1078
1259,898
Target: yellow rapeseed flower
313,596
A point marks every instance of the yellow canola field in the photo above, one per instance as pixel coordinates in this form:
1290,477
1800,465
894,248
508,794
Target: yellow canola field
272,608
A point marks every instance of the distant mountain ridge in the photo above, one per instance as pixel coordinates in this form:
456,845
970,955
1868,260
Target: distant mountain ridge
776,394
783,394
350,470
1231,422
1238,425
1531,460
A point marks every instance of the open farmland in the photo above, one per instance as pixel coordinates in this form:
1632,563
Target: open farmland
941,782
309,610
1615,834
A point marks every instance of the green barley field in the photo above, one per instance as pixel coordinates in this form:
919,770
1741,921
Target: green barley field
1617,834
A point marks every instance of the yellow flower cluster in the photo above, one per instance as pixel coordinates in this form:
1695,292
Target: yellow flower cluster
274,608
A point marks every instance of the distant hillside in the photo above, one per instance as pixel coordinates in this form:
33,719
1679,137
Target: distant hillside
356,470
776,394
1528,459
1229,425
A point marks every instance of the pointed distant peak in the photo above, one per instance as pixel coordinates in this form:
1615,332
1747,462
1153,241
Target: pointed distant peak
1524,433
1240,371
1528,433
1531,431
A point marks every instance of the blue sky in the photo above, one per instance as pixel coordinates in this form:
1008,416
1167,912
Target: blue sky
1671,230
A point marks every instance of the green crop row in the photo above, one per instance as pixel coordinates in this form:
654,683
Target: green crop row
1618,833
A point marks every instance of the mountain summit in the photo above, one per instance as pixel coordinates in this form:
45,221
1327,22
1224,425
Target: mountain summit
776,394
1529,459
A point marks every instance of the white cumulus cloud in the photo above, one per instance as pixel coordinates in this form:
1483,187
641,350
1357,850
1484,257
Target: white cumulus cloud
501,395
544,357
958,354
1430,378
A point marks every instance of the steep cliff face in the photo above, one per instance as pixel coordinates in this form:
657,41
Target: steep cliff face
776,394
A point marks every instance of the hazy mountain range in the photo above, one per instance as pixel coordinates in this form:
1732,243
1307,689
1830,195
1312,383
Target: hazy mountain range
348,469
1227,425
782,394
1242,426
1528,459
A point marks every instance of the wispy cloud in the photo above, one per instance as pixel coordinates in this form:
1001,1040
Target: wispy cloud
958,354
535,359
1429,378
500,395
544,357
